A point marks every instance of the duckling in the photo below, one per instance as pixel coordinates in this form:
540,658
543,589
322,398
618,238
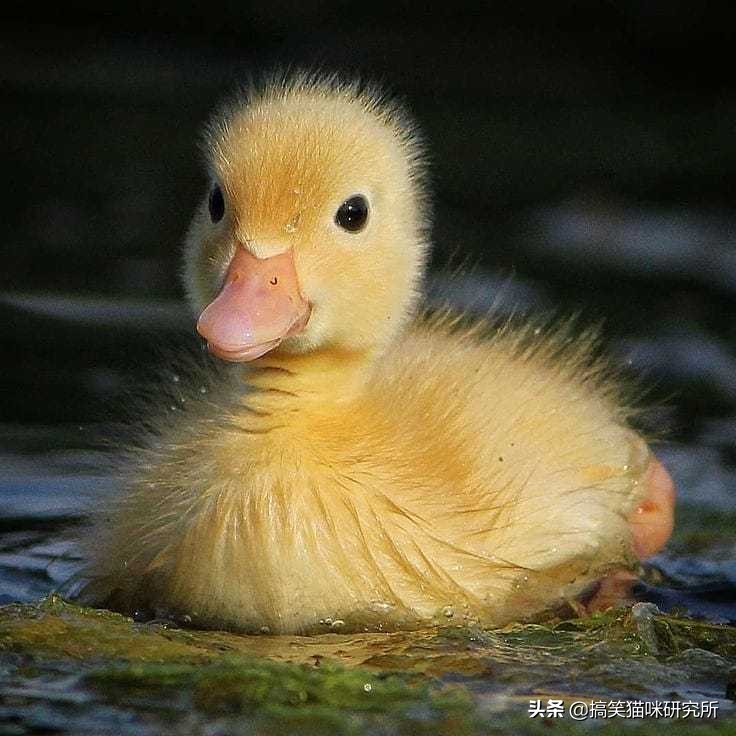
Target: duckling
355,461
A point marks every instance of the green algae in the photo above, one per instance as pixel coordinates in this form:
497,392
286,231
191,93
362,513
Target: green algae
453,680
287,693
57,629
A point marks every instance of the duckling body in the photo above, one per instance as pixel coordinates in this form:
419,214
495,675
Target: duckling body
369,468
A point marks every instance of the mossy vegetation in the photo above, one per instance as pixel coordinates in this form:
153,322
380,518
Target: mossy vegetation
452,680
330,696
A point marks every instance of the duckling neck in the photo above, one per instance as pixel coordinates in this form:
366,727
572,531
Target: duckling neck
329,376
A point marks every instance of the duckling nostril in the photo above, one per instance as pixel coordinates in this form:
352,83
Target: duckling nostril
274,281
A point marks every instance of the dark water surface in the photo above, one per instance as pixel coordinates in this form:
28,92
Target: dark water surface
53,474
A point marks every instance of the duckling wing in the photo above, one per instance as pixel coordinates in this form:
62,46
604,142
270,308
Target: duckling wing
521,457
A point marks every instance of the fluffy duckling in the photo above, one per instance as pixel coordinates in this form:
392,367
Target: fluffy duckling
355,464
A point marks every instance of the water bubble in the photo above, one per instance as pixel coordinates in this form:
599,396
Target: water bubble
537,330
338,623
264,630
175,378
367,687
202,389
448,612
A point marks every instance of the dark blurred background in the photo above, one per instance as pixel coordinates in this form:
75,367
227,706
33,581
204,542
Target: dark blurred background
584,159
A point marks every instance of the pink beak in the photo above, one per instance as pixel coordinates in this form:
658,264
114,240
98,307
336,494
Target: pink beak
259,306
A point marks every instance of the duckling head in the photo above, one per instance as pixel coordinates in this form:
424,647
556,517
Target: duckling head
313,232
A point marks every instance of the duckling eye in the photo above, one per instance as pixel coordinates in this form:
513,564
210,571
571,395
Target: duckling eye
352,214
217,204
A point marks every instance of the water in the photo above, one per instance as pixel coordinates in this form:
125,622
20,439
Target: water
53,473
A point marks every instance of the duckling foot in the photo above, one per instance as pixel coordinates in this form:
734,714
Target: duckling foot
612,590
652,521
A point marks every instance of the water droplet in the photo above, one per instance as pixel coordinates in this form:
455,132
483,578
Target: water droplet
264,630
175,378
381,606
367,687
338,623
448,612
537,330
293,224
202,390
296,190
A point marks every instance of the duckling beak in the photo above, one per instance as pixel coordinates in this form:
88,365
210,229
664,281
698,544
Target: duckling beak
258,306
652,521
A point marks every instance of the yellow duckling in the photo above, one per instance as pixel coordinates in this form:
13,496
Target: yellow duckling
357,465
